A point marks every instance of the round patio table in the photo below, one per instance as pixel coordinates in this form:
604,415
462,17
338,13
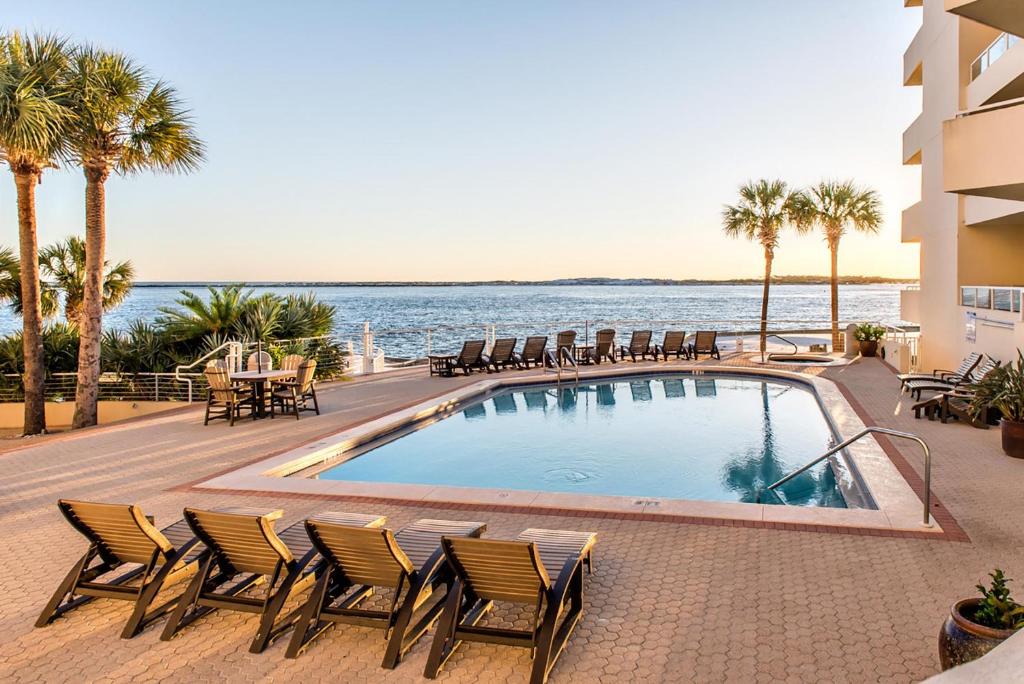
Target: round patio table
258,380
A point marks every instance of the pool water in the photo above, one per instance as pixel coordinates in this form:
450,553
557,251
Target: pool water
709,437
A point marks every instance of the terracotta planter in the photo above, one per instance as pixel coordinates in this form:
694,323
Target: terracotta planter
1013,437
961,641
868,347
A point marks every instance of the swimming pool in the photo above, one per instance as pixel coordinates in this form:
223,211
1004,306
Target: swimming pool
702,437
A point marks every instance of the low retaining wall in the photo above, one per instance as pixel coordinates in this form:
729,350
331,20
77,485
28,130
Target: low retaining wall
59,413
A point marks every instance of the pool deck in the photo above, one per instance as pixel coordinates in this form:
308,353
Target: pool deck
669,601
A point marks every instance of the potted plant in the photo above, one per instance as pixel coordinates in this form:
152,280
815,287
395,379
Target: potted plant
868,335
1003,389
977,625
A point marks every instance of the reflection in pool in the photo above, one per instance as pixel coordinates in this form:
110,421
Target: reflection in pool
714,438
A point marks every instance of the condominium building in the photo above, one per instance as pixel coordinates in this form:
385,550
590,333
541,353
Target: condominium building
968,61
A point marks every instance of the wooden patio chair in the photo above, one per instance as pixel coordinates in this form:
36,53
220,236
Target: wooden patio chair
604,347
501,355
916,387
470,358
225,399
639,345
705,342
358,560
533,352
292,361
957,404
488,570
565,340
674,343
258,359
121,537
245,551
966,366
294,396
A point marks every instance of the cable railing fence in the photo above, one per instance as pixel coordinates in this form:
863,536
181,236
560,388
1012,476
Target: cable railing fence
374,351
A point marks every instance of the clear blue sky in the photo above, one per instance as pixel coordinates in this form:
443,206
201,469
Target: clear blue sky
465,140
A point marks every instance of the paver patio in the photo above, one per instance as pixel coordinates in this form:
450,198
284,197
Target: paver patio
668,601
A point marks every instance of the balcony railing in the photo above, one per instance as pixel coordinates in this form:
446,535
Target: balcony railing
999,47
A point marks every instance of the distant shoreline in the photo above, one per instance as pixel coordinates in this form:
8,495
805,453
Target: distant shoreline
560,282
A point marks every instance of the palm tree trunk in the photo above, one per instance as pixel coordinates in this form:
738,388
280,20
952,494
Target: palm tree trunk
91,316
837,339
768,256
32,316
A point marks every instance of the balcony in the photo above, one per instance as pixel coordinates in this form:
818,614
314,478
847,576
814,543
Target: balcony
913,139
910,304
983,152
913,225
913,60
1004,15
981,212
998,72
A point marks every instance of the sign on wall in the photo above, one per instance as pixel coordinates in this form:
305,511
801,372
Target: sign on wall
971,327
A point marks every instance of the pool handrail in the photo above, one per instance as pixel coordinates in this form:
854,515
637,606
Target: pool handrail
863,433
796,349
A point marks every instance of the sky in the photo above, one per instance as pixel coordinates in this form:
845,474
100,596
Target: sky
452,140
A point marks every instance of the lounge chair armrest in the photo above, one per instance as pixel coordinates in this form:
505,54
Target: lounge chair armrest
564,581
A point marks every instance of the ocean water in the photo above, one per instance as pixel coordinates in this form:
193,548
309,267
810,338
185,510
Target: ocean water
460,312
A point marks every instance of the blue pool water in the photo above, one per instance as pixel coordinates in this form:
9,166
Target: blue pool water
711,437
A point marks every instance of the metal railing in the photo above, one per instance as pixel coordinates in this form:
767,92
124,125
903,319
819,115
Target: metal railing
999,47
796,349
113,386
556,362
927,522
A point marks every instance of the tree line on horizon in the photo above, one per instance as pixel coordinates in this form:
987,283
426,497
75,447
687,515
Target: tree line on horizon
767,207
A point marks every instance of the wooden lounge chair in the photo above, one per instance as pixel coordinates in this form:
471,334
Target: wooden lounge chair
225,399
674,343
489,570
533,352
470,358
565,340
357,560
705,342
501,355
639,345
120,535
295,395
246,551
260,359
604,347
966,366
916,387
957,404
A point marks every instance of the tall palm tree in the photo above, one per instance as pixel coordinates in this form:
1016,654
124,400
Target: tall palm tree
765,208
33,122
125,122
837,207
64,264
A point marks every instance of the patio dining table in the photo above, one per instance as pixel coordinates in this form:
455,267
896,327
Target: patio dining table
259,379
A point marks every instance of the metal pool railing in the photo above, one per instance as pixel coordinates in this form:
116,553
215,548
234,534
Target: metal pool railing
927,522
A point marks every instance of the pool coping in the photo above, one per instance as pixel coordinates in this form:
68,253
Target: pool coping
899,511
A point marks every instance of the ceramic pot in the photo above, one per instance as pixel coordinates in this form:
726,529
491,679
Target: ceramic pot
961,641
1013,437
868,347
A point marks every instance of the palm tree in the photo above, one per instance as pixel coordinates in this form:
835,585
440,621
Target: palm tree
33,122
10,287
836,208
125,122
764,209
197,318
64,264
